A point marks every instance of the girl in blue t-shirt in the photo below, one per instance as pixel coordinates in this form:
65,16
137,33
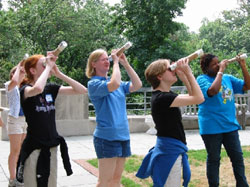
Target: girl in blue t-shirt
108,95
216,116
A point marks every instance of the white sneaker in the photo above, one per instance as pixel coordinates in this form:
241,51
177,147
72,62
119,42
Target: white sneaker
15,183
19,184
12,183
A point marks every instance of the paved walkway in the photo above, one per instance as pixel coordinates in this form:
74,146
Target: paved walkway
81,147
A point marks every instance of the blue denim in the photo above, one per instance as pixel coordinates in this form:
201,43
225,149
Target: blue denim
109,149
231,143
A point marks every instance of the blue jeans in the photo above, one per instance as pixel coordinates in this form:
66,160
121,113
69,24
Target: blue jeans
232,146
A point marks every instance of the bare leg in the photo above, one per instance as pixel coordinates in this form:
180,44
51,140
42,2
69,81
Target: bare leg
1,122
110,171
23,137
15,146
116,180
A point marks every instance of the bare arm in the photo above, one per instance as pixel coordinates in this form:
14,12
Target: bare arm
246,75
39,85
115,80
74,88
184,79
194,95
136,82
17,77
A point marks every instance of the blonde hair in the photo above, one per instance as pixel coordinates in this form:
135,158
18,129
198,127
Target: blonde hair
155,69
93,57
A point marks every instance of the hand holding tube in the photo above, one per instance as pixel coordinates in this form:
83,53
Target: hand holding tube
243,56
50,59
190,57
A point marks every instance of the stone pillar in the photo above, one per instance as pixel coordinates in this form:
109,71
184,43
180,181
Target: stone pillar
4,114
72,107
72,115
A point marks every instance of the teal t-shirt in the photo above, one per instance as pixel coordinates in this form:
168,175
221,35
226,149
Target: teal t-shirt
217,114
110,109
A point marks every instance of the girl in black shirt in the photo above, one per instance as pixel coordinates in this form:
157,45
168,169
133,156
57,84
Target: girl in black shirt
164,162
38,102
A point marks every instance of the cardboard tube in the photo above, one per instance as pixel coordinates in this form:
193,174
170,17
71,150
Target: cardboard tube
243,56
191,57
24,58
121,50
60,48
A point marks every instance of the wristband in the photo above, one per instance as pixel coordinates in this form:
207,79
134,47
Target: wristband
219,73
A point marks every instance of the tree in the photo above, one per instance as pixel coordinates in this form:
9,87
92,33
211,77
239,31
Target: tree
39,25
228,36
150,26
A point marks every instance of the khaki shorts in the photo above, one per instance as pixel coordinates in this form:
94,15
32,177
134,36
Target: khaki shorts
30,168
16,125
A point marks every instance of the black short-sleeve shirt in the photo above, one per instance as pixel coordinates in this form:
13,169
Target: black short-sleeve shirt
168,120
39,112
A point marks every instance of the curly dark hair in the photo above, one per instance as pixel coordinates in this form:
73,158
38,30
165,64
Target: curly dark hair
205,61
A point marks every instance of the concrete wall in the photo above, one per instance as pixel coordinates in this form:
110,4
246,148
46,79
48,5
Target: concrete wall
72,116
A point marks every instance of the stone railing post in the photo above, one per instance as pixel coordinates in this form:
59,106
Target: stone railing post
72,115
4,114
74,107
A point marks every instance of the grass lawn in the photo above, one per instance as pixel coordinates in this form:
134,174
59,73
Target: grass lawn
197,160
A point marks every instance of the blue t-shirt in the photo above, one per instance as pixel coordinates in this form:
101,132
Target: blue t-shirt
217,114
21,112
110,109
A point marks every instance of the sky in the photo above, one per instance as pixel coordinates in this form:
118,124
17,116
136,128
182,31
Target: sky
196,10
